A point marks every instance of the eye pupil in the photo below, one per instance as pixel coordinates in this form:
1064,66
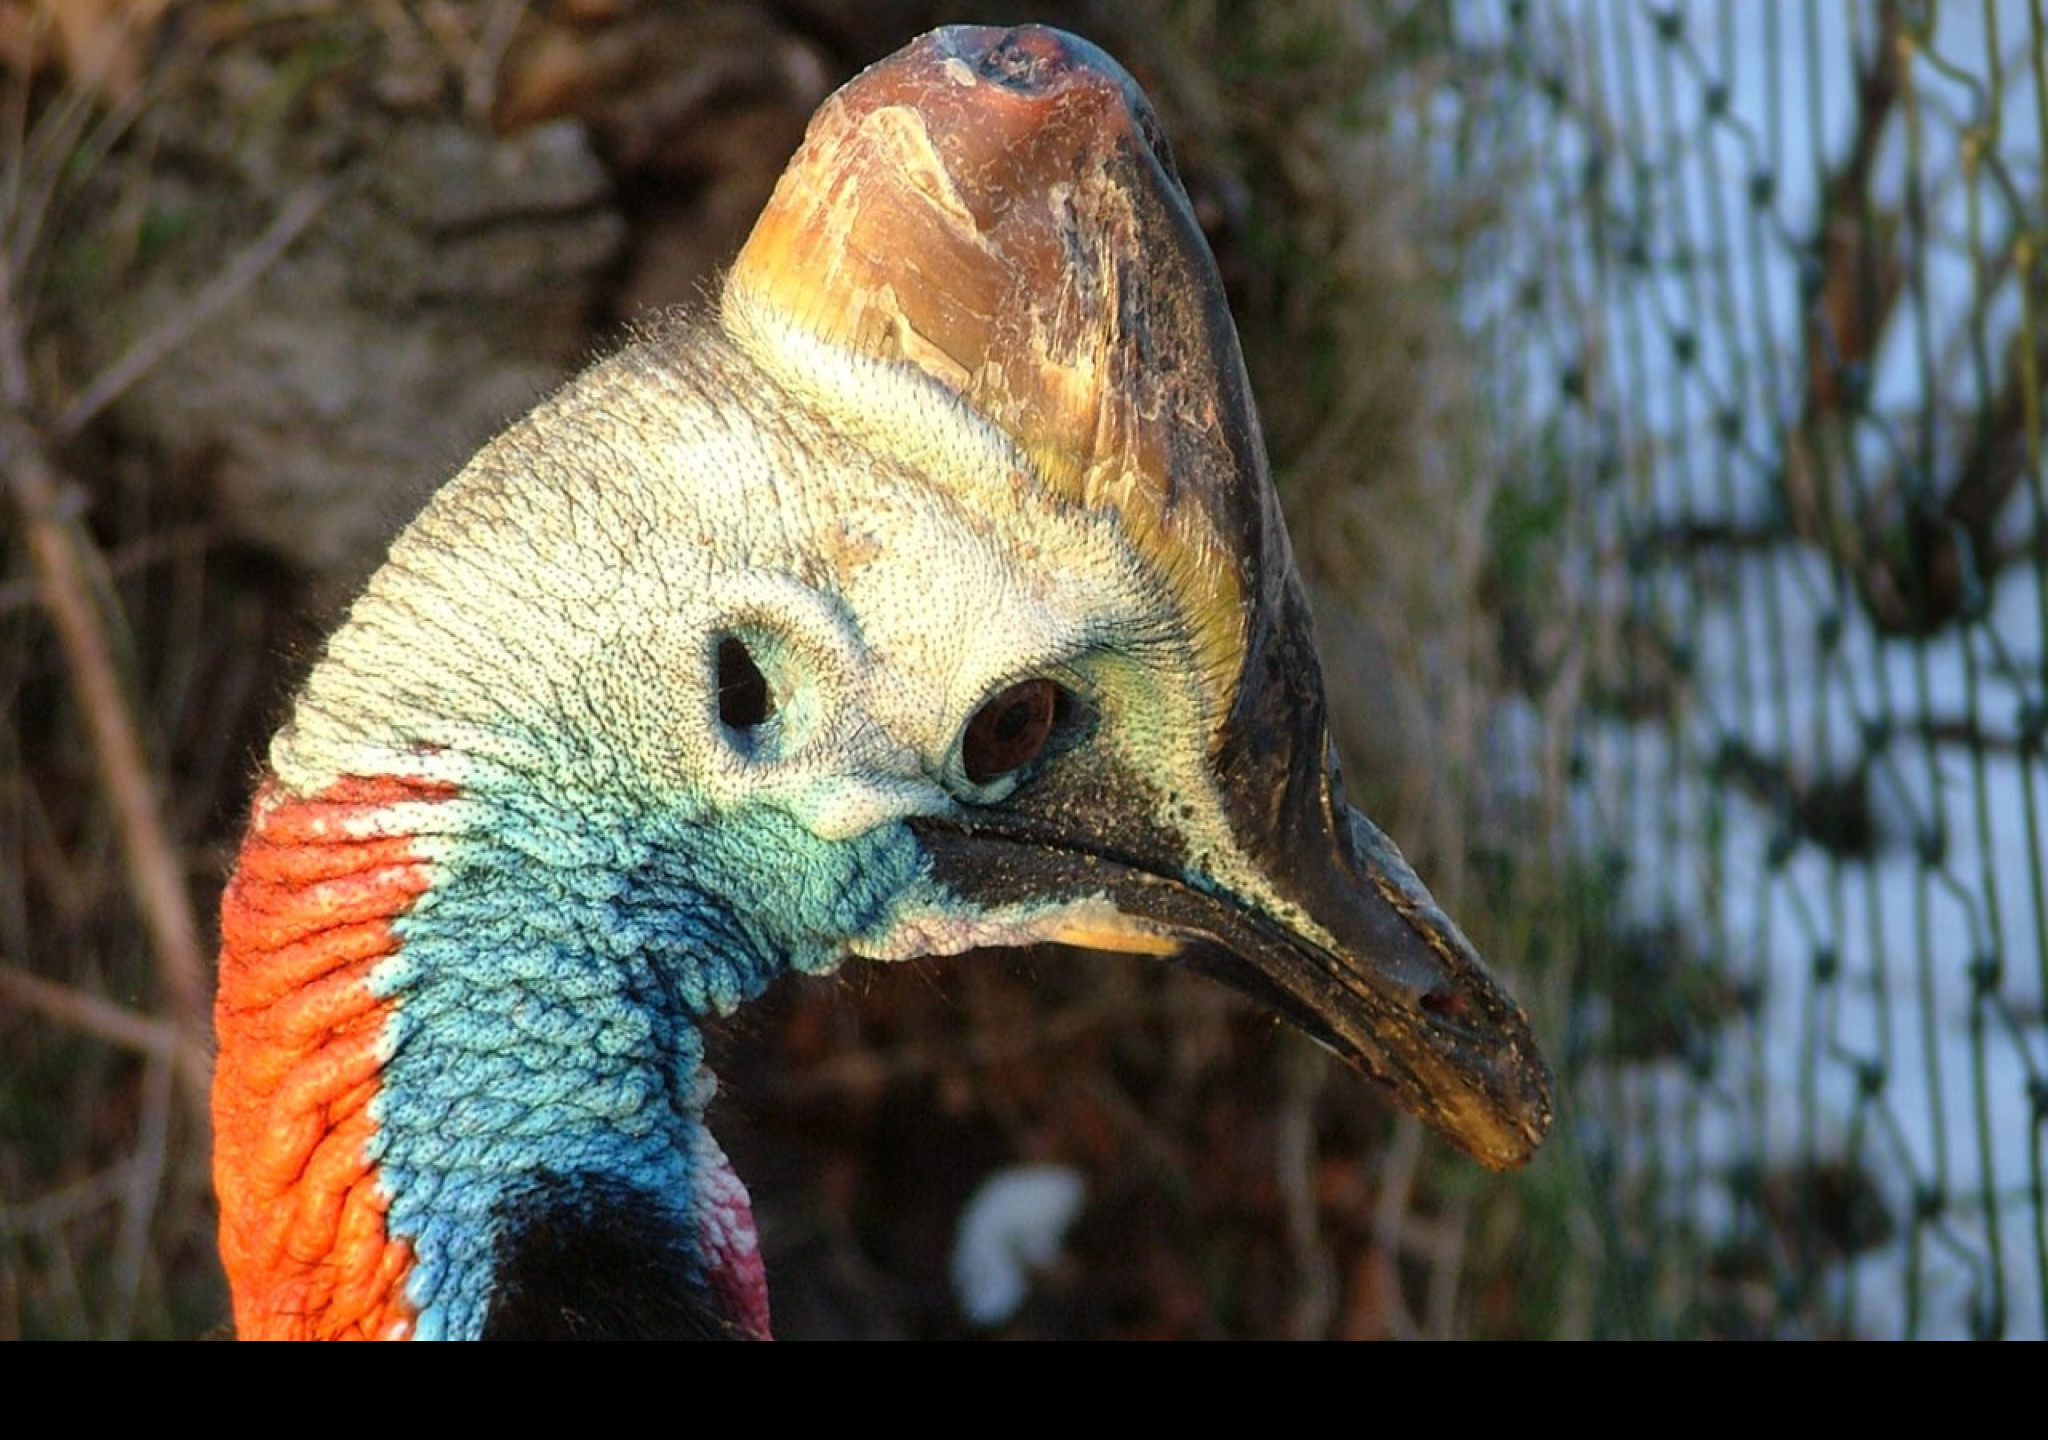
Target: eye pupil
1010,730
1013,722
743,698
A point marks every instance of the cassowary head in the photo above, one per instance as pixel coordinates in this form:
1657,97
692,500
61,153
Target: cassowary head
930,595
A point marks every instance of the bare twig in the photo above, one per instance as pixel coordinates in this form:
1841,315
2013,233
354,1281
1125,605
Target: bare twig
475,54
89,1014
1447,1267
68,138
154,871
178,327
139,1201
1303,1070
181,542
64,561
1390,1222
487,60
60,553
51,1212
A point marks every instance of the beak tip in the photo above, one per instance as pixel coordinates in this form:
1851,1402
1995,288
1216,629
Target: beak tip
1528,1118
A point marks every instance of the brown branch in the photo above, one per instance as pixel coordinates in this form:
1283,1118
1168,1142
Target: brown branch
155,872
1446,1267
62,554
1390,1221
180,542
60,1207
139,1201
1316,1291
183,1046
89,1014
177,327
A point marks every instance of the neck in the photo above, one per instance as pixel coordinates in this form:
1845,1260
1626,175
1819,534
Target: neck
462,1068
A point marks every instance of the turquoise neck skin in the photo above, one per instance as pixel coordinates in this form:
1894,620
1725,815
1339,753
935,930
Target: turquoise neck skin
551,989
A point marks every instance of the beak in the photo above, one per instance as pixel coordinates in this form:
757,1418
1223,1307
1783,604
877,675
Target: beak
1381,978
1329,928
1356,950
997,209
1379,974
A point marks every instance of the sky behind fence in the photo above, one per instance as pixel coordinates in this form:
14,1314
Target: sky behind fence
1768,326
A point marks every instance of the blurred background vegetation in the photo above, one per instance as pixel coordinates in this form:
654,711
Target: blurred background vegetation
1656,399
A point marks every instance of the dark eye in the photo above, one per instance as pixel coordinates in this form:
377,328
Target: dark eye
1010,730
743,698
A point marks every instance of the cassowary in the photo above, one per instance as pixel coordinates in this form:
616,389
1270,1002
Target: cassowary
929,595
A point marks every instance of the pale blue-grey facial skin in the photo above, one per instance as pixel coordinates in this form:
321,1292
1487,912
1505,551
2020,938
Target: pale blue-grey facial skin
617,863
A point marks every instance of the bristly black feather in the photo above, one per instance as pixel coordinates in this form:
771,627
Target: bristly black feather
585,1257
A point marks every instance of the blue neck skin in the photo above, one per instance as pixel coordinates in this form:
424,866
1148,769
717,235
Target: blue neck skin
551,989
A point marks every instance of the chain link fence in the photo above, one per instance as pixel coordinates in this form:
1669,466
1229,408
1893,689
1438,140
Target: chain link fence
1767,318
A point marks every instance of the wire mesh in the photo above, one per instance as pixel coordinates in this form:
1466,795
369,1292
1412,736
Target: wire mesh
1768,319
